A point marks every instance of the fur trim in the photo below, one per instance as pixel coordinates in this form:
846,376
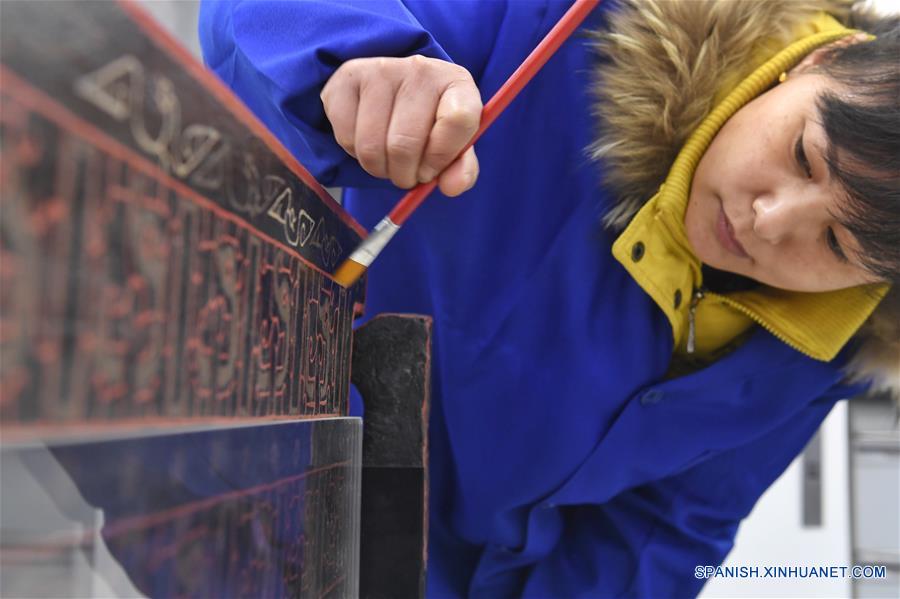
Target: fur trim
878,358
661,63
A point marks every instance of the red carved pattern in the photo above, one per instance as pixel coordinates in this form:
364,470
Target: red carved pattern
123,297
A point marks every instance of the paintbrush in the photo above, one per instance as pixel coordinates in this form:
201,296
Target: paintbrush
362,257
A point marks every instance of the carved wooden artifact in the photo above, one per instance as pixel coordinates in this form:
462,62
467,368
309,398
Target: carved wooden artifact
174,356
162,256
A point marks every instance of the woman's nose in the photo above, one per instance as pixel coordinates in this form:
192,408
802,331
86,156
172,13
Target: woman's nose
781,216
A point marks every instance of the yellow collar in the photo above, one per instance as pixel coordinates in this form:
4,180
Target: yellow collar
655,250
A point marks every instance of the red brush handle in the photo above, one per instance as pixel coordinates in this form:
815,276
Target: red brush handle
531,65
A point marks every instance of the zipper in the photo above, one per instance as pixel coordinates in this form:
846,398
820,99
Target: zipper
702,293
698,295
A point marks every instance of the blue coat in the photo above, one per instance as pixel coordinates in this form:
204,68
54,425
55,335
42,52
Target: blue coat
563,462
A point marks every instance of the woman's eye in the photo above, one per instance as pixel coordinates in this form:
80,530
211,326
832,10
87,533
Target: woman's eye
835,246
800,155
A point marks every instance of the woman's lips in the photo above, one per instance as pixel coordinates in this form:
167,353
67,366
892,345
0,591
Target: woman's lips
725,233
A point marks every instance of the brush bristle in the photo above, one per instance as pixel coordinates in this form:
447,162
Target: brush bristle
349,272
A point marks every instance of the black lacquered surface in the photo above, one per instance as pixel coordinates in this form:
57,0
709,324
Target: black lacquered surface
250,511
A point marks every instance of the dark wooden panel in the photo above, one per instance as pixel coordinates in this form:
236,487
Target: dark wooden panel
392,370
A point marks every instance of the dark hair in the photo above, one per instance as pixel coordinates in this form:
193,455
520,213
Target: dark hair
862,123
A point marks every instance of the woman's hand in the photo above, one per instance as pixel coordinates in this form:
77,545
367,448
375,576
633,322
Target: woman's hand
406,119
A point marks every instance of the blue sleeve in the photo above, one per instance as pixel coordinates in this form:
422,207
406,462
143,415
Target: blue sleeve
277,57
668,427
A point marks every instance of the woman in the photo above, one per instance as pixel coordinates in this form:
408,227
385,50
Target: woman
608,402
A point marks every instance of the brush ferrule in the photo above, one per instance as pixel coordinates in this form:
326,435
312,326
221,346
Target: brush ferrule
369,249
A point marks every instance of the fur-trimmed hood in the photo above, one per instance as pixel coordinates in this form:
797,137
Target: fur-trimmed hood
664,64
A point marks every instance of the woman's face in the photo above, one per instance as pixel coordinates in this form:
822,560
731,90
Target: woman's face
762,203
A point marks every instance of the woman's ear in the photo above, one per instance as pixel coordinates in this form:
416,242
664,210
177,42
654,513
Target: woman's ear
817,56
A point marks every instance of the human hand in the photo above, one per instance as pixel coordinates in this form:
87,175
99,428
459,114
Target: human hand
406,119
